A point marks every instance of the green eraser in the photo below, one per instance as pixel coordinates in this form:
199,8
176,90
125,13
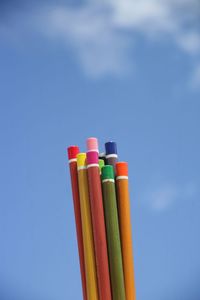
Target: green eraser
107,172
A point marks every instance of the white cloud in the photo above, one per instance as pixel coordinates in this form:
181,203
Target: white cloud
190,42
102,32
162,197
90,32
140,14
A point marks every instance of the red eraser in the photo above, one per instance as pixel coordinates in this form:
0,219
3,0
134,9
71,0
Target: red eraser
72,152
121,169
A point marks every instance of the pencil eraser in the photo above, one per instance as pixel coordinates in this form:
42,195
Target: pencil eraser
101,164
121,169
81,159
111,148
72,151
107,172
92,144
92,157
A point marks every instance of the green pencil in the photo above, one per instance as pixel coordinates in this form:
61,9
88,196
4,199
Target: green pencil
112,232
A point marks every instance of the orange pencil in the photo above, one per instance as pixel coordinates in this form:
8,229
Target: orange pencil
123,200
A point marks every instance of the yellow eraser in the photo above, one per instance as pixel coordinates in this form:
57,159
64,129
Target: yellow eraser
81,160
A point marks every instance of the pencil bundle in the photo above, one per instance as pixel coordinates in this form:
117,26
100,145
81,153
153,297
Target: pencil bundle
103,222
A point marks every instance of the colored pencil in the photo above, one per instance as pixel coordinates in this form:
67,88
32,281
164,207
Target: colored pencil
99,231
123,200
111,153
101,164
113,235
92,144
102,156
88,243
72,153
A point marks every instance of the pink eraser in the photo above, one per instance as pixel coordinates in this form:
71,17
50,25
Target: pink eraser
92,157
92,144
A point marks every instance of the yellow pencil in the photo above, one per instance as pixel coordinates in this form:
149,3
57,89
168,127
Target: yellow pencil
88,243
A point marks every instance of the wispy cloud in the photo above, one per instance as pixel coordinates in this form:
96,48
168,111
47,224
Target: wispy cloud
90,32
189,41
103,32
162,197
195,80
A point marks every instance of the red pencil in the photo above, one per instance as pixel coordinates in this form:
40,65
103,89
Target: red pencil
72,153
96,203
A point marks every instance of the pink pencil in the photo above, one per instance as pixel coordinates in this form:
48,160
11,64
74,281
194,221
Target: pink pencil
99,231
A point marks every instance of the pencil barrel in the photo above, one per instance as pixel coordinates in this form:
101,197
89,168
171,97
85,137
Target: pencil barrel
126,237
96,203
112,160
88,243
113,240
77,213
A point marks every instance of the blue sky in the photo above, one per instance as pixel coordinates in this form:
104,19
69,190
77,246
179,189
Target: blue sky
117,70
